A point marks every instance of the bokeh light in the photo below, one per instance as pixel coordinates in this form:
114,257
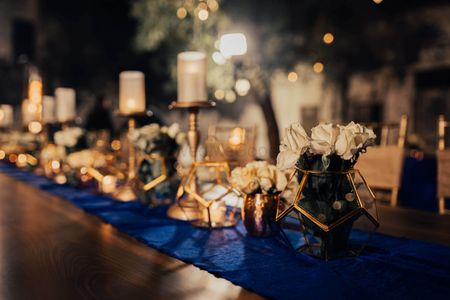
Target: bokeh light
292,77
230,96
181,13
242,86
203,14
328,38
318,67
219,94
35,127
218,58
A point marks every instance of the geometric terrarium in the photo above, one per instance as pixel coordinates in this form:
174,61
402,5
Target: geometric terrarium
327,214
208,184
154,179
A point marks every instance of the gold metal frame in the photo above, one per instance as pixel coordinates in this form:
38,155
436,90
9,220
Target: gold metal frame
147,186
302,213
186,208
192,189
442,125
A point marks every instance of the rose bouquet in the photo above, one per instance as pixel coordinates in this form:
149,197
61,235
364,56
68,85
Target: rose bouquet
330,147
155,144
261,184
72,139
325,161
258,177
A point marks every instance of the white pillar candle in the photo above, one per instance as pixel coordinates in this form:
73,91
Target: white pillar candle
6,115
191,77
48,109
131,92
35,90
29,112
65,104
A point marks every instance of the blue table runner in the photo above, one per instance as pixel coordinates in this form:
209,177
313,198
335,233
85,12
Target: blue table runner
390,268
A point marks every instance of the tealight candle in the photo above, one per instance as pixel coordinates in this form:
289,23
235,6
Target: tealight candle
237,137
65,104
108,184
131,92
191,76
217,212
48,109
6,115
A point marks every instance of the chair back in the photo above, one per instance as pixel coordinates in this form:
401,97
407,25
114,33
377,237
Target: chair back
443,170
382,165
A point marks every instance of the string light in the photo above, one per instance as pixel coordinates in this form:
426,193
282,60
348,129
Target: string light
219,94
318,67
292,77
203,14
230,96
242,86
328,38
181,13
213,5
35,127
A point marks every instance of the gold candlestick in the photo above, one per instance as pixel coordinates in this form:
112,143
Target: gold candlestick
126,192
186,207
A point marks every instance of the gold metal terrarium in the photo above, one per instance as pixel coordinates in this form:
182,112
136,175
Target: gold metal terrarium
327,214
152,182
208,184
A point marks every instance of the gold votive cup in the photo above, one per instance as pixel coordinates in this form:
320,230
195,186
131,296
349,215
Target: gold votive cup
259,214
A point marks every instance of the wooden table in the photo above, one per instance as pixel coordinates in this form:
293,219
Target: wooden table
51,249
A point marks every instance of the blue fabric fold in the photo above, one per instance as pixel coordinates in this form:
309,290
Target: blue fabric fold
389,268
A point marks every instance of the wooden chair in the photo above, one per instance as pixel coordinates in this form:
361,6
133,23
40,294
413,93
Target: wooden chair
443,175
382,165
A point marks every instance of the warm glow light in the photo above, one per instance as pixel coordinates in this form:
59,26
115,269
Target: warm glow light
181,13
12,158
202,5
60,179
213,5
377,1
237,137
233,44
318,67
55,165
83,170
218,58
32,108
242,86
22,159
2,115
203,14
230,96
115,145
292,77
35,91
2,154
35,127
219,94
328,38
108,184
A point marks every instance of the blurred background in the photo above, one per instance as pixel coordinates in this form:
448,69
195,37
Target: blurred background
309,61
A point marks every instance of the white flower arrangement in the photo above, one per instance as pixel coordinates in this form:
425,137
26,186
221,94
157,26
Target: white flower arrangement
258,177
154,138
52,152
86,158
68,137
327,141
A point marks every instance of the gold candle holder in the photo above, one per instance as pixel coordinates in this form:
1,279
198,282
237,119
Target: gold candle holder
126,192
186,207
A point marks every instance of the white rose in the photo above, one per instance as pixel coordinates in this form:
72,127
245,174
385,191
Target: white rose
281,181
180,138
295,142
164,129
353,137
323,138
173,130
